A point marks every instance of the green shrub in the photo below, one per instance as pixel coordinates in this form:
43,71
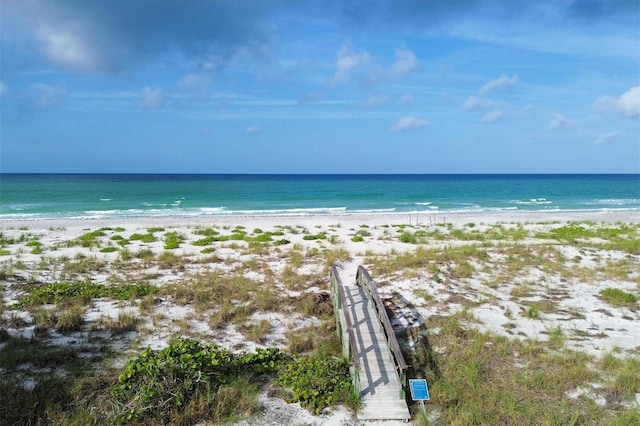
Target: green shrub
172,240
317,381
145,238
205,241
90,238
408,237
157,383
318,236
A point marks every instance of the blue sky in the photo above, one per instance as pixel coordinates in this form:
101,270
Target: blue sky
361,86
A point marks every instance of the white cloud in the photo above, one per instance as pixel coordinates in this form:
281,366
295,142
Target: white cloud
3,89
629,103
479,103
406,99
67,49
360,66
347,60
406,62
253,129
195,83
605,137
493,116
407,123
152,99
559,121
500,84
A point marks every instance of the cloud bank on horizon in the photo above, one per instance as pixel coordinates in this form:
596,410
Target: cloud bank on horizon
376,86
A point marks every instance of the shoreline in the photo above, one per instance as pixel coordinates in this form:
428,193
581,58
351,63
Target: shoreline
408,218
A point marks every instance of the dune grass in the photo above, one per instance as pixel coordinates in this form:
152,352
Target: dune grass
475,377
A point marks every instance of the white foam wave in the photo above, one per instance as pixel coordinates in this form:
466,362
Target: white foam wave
532,201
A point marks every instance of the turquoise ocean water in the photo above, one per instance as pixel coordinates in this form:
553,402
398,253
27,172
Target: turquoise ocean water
40,196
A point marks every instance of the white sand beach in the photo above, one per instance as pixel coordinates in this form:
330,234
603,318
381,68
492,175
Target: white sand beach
574,309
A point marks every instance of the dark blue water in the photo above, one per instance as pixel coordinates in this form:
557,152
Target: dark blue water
35,196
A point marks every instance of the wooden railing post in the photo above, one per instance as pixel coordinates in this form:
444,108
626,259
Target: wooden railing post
364,280
340,310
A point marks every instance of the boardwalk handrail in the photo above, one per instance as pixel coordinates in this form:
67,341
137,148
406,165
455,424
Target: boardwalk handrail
339,298
364,280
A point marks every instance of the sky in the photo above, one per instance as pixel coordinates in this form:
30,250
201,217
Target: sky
298,86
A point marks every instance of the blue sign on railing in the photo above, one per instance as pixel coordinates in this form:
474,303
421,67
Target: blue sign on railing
419,389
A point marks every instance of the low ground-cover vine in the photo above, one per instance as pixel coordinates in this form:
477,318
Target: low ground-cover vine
318,382
83,291
158,382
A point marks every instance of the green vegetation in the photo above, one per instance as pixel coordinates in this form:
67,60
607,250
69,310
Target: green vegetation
480,378
145,238
617,297
318,236
172,240
475,377
318,382
186,377
82,292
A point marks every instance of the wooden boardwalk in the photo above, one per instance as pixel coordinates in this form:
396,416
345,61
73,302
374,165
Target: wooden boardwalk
380,387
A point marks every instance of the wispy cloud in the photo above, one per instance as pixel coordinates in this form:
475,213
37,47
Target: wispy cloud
253,130
375,102
152,99
605,137
406,99
493,116
408,123
44,96
500,84
479,103
559,121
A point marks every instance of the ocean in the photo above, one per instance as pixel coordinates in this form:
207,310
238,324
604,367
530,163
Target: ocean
55,196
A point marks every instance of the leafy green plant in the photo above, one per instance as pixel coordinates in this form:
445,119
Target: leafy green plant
90,239
82,292
318,236
172,240
317,381
145,238
155,383
408,237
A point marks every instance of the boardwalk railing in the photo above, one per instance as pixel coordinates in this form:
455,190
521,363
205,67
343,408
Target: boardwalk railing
343,323
364,280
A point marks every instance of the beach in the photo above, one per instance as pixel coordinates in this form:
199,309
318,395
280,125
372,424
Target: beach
522,280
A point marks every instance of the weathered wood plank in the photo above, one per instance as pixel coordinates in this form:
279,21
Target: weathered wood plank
380,387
